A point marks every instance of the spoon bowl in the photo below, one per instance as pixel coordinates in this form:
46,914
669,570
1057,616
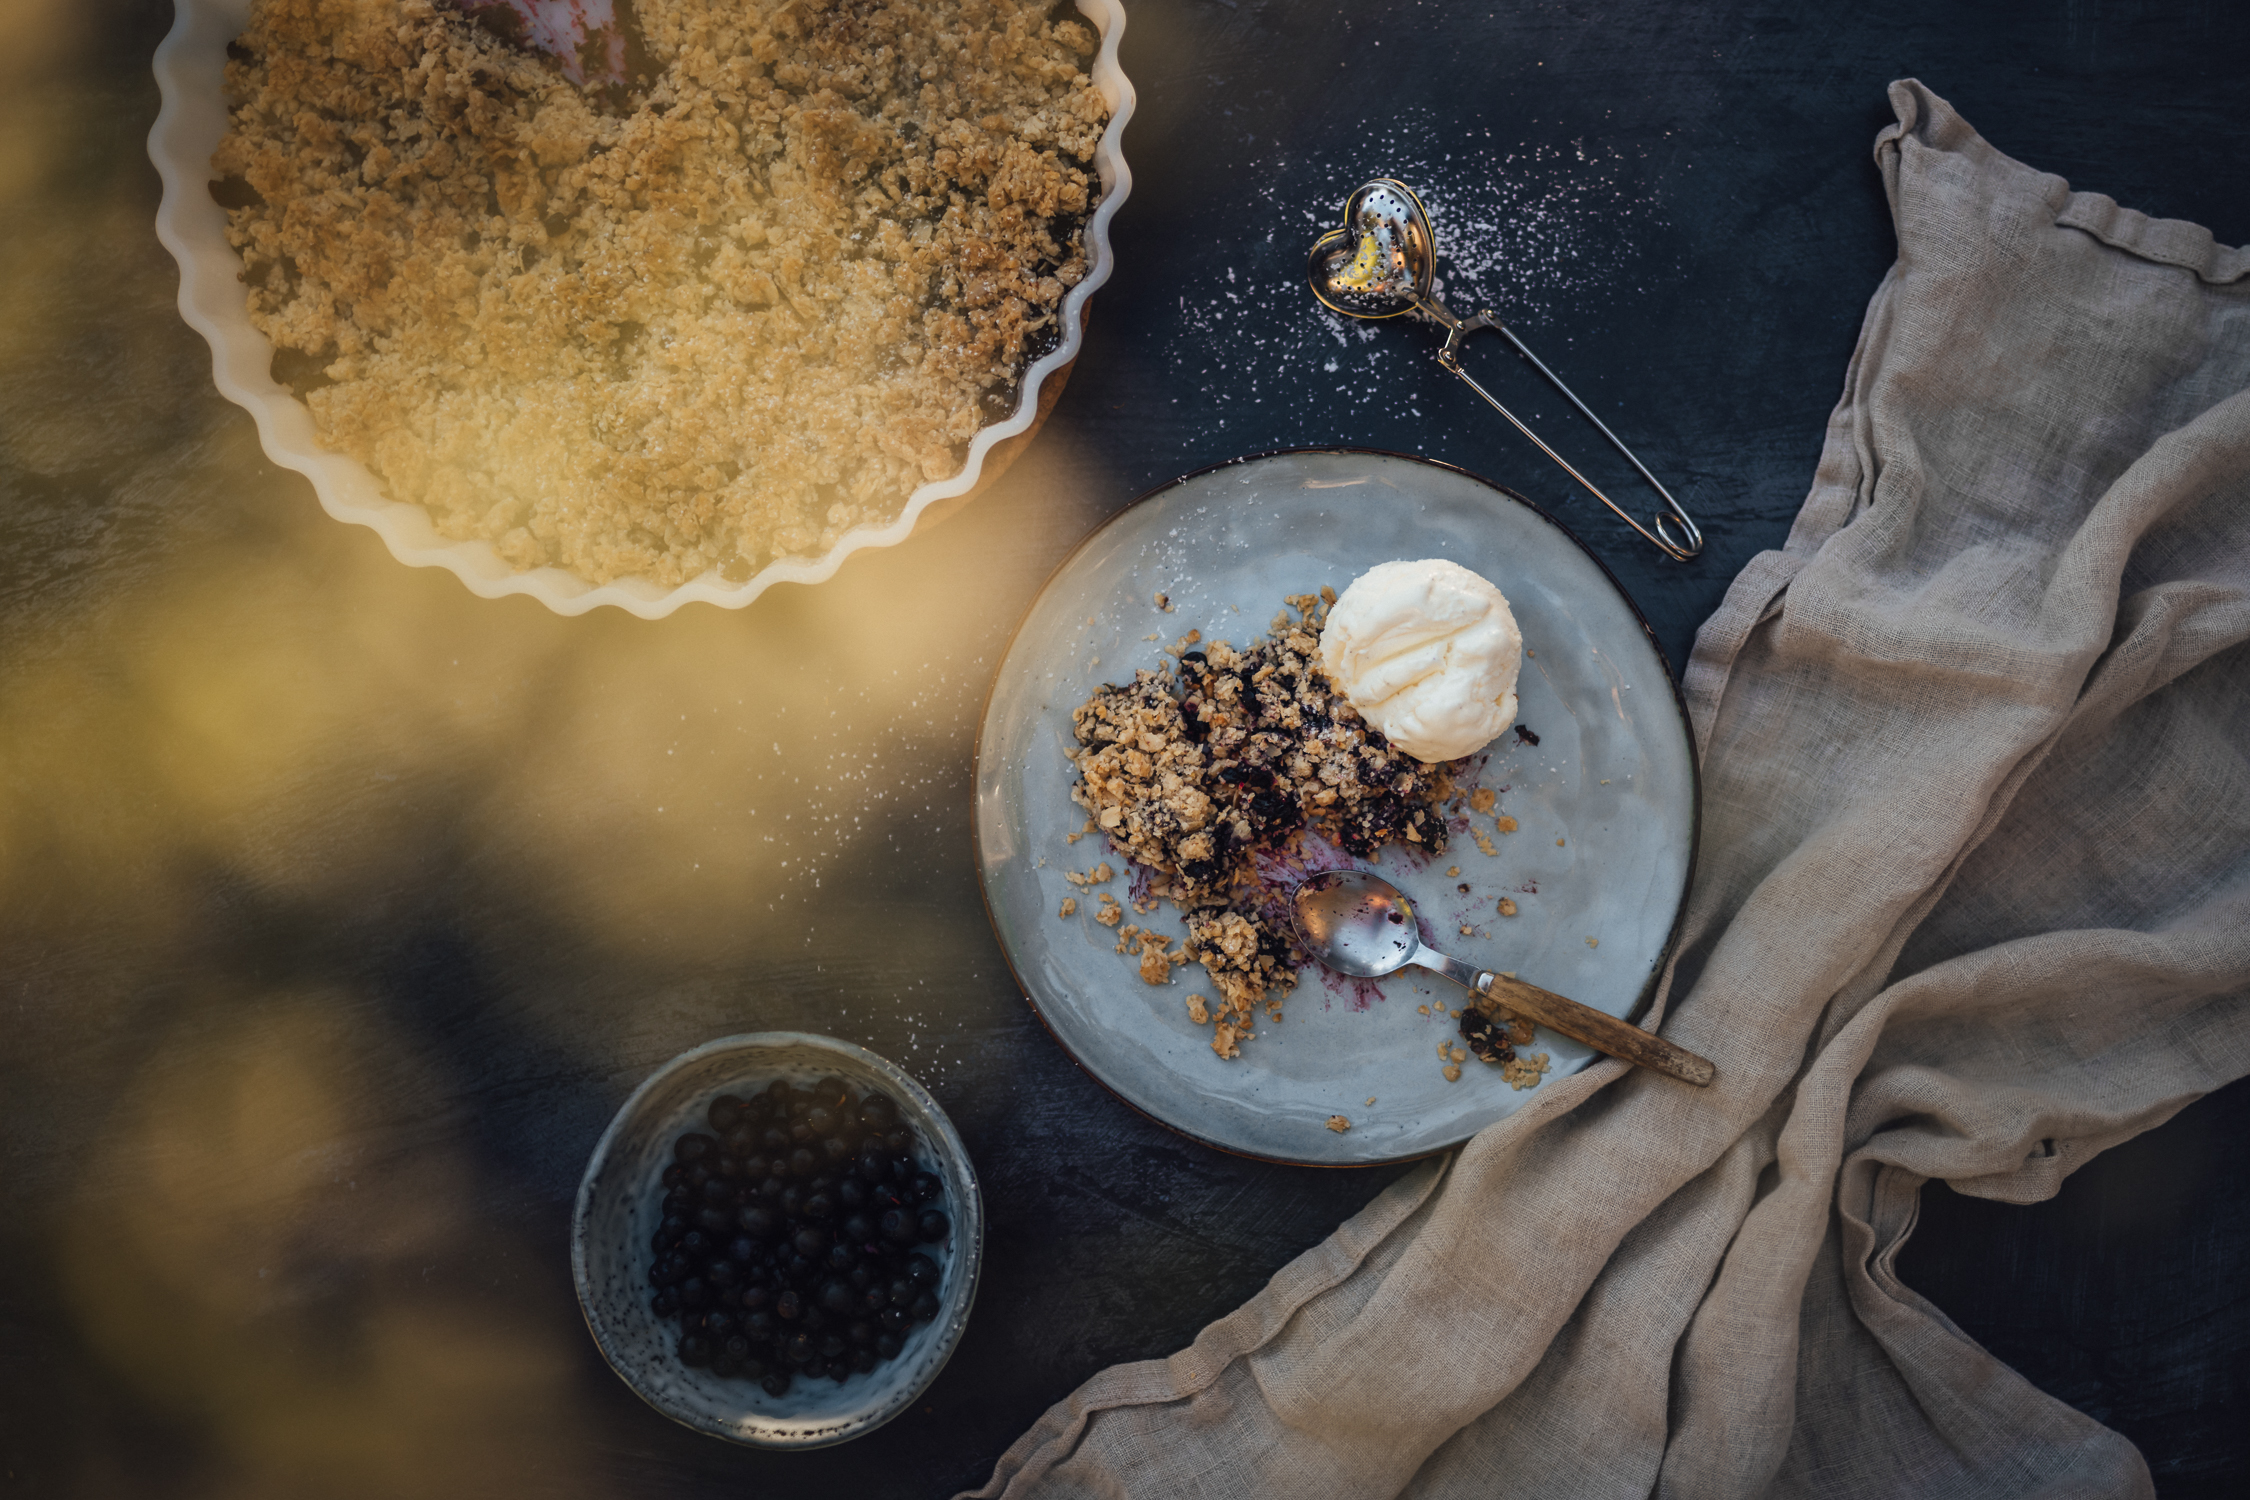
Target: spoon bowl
1358,923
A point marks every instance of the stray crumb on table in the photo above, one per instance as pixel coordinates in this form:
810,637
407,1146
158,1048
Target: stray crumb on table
1199,1010
1452,1072
1507,907
1069,907
1339,1124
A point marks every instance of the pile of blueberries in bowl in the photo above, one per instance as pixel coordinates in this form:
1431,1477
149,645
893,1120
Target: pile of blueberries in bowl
778,1240
789,1242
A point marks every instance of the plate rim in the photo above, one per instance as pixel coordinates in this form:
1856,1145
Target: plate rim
1665,952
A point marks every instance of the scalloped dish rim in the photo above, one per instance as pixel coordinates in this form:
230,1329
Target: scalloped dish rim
189,65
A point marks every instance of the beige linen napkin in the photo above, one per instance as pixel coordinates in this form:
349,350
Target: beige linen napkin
1974,903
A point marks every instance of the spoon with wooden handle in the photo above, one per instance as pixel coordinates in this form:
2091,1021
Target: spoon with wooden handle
1360,924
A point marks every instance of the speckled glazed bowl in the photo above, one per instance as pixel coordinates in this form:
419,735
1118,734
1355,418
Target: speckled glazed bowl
618,1210
190,70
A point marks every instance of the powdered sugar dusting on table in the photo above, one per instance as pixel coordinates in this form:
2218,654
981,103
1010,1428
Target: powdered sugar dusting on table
1539,233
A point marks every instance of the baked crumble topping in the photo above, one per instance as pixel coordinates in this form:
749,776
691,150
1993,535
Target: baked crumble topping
1193,776
712,318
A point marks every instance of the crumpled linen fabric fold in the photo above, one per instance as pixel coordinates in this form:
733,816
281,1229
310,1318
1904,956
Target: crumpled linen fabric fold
1973,904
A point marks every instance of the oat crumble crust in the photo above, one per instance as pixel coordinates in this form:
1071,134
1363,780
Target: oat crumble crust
1192,776
714,320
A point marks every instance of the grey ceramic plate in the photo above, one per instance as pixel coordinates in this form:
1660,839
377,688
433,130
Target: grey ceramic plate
618,1210
1606,802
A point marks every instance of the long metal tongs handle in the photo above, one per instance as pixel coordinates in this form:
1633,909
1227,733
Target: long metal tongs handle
1676,534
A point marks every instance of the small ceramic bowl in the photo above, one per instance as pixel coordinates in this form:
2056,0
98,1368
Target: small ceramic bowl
618,1211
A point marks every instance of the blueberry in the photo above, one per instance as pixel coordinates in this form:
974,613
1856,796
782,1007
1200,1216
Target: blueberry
672,1175
695,1349
899,1226
772,1188
757,1109
851,1192
902,1291
837,1150
933,1225
925,1188
725,1112
900,1141
863,1361
819,1205
742,1250
692,1147
665,1304
874,1163
721,1272
718,1324
736,1348
836,1297
674,1225
695,1294
832,1091
892,1319
800,1349
831,1345
713,1221
792,1200
758,1222
744,1146
789,1307
811,1241
861,1333
877,1112
858,1228
875,1297
821,1120
902,1173
718,1193
863,1276
922,1271
679,1202
803,1163
776,1383
725,1366
756,1297
924,1308
842,1257
887,1345
758,1327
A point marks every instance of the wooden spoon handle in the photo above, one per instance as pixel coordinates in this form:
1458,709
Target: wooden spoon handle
1604,1033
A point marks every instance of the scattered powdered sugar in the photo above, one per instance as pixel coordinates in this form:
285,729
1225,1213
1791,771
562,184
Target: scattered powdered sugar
1539,233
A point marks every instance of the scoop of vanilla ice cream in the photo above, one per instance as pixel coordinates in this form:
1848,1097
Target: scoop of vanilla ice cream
1428,653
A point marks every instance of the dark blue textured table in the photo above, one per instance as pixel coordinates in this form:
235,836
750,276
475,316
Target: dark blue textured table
339,909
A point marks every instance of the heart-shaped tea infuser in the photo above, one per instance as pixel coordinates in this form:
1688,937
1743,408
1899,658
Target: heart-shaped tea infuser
1380,265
